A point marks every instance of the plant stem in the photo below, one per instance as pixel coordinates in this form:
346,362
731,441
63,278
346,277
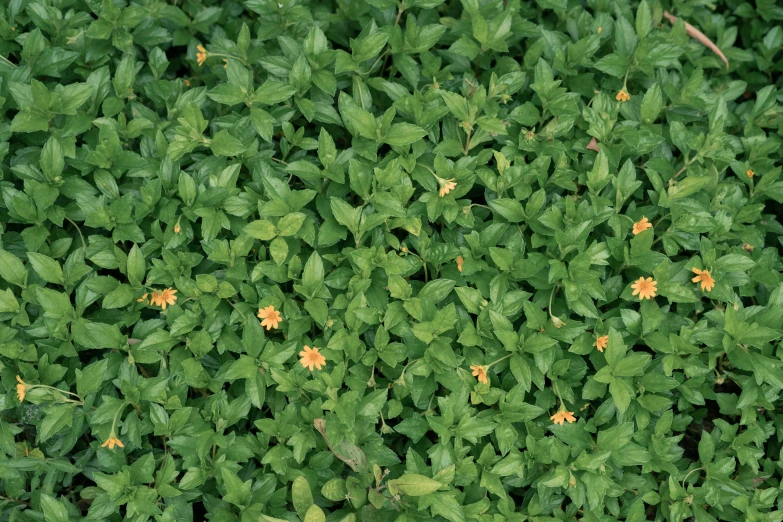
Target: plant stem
84,245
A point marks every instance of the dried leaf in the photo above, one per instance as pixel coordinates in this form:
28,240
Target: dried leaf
701,37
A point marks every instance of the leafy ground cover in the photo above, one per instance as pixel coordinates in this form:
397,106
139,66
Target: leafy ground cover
391,260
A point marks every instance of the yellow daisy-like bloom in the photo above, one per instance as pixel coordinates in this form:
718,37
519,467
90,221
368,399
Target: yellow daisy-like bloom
703,277
201,55
21,389
480,372
645,288
641,225
749,173
561,416
112,441
446,186
622,96
460,262
164,297
747,247
142,299
271,318
311,357
601,342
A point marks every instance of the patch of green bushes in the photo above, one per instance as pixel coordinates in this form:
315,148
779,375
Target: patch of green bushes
390,260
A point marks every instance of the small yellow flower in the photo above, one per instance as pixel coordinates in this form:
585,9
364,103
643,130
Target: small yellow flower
601,342
142,299
177,228
187,82
747,247
749,173
703,277
600,30
561,416
163,297
21,389
112,441
622,96
271,317
460,262
646,288
311,357
446,186
201,55
641,225
480,372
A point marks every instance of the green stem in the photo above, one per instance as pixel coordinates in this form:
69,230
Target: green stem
490,365
84,245
9,62
30,387
116,414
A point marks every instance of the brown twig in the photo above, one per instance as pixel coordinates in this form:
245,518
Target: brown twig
701,37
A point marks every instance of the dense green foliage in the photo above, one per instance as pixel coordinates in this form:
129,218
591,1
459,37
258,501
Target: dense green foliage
378,260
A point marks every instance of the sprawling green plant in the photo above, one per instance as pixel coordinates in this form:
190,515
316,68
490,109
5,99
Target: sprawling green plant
391,260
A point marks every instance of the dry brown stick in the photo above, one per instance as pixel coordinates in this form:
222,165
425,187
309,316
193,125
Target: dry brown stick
701,37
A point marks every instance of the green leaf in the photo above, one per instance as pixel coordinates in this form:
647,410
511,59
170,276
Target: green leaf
224,144
414,485
273,92
401,134
53,510
261,229
301,496
136,266
290,224
47,268
12,269
314,514
357,120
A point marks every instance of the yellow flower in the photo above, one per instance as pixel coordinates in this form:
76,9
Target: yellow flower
460,262
311,357
561,416
622,96
480,372
601,342
201,55
747,247
271,317
599,30
112,441
163,297
446,186
641,225
142,299
703,277
646,288
21,389
187,82
177,228
749,173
